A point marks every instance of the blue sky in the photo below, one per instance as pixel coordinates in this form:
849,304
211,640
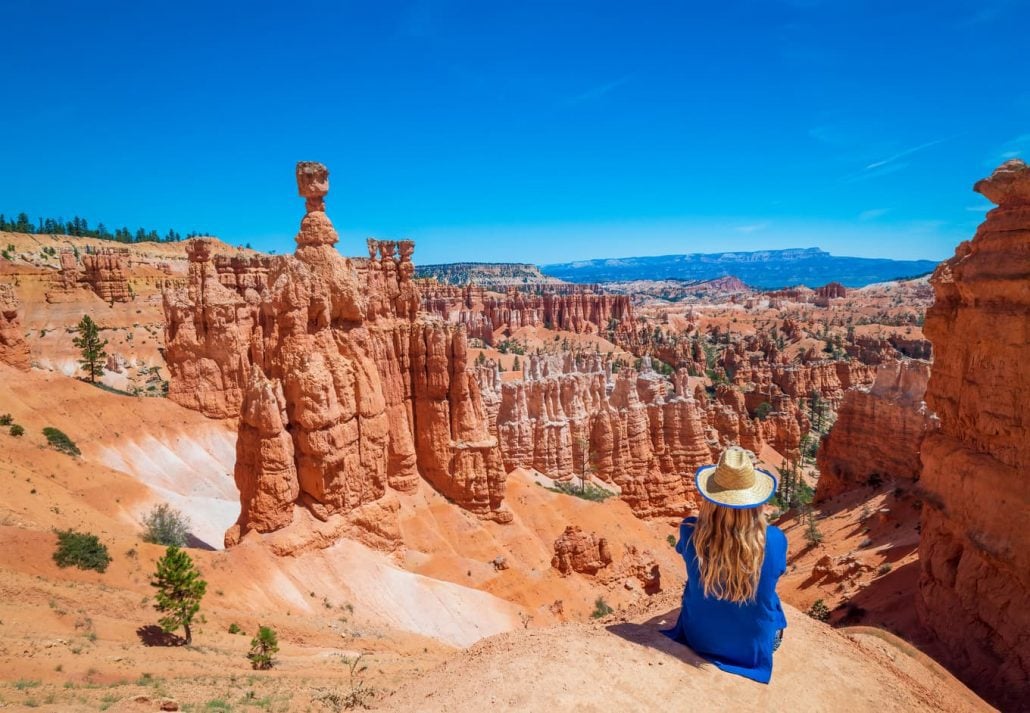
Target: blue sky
528,131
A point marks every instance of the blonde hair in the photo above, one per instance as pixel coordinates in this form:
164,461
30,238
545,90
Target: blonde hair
730,547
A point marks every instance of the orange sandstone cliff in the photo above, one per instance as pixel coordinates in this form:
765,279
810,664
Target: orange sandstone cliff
342,393
879,431
975,543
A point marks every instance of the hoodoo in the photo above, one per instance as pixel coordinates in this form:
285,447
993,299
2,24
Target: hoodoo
343,393
13,348
975,545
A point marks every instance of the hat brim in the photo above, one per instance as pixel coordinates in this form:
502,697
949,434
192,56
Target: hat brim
758,494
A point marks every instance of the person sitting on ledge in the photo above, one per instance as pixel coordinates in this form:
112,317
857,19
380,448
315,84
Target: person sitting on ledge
731,615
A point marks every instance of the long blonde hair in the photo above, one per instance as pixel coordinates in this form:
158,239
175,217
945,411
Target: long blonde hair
730,547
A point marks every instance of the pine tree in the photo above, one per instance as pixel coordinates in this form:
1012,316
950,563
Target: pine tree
263,648
812,534
92,347
179,591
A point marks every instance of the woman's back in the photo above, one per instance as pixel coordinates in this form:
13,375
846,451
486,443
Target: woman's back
736,636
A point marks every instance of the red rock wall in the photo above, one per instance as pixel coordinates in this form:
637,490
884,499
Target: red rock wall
975,543
879,431
14,350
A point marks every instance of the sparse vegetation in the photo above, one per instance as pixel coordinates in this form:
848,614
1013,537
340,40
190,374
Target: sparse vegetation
763,410
819,611
360,694
263,648
234,628
589,491
82,550
671,539
885,568
164,525
60,441
601,609
17,431
6,419
179,591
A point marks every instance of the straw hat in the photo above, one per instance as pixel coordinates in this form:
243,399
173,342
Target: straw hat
735,482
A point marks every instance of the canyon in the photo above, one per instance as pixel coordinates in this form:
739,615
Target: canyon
512,451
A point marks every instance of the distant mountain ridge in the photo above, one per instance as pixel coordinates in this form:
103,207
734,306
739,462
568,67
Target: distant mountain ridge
762,268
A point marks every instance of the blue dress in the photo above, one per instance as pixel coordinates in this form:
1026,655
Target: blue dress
738,638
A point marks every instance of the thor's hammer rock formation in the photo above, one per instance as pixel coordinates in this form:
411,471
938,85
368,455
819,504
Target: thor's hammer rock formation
343,392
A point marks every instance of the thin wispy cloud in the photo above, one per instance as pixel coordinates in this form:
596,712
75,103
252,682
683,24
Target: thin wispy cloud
903,154
877,172
597,92
752,228
873,213
1015,147
891,164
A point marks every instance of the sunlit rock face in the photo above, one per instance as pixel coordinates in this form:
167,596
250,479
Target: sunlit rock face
975,547
342,392
879,431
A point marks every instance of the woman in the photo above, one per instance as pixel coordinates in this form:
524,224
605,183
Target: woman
731,614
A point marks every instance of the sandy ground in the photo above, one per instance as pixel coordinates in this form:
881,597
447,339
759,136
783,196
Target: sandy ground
628,665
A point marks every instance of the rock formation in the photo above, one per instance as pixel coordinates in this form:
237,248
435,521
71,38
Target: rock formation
342,393
208,334
577,551
879,431
105,274
571,308
13,348
570,416
975,545
831,290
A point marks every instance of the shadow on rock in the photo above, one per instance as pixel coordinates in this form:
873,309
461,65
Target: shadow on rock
154,635
649,634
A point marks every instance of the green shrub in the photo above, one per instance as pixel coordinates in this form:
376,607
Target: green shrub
762,412
263,648
17,431
82,550
60,441
164,525
234,628
885,568
601,609
819,611
591,492
671,539
6,419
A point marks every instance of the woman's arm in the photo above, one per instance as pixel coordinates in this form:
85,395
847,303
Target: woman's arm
686,530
